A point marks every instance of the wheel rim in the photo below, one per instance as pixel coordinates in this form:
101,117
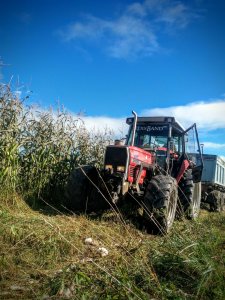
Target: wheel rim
171,210
196,200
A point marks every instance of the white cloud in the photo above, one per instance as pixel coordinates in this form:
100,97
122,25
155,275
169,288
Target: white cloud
171,13
100,123
137,8
125,37
208,115
214,145
91,28
215,148
134,32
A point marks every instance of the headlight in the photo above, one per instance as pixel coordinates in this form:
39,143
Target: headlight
120,169
108,167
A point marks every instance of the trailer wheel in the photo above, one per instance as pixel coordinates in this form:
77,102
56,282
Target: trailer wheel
216,201
160,203
189,196
81,195
223,201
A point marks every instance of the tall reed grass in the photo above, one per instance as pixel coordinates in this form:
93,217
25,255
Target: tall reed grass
39,148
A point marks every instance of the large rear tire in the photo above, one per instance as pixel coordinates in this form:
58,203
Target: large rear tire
189,196
194,208
160,203
81,194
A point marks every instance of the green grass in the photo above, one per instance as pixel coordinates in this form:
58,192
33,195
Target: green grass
43,256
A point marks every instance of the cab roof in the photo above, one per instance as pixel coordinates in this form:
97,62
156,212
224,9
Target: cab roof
157,120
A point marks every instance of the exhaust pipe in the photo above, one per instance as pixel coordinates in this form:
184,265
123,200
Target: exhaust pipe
134,127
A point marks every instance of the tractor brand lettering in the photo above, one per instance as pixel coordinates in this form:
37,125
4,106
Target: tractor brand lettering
151,128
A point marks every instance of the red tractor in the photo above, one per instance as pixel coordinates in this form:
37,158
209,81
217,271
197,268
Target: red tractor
156,167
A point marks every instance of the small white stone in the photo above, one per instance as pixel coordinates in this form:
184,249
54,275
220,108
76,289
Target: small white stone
103,251
88,241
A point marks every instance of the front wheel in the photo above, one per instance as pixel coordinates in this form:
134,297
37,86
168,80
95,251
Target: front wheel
82,191
160,202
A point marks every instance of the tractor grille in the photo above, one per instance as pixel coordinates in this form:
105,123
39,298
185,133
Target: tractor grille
116,156
131,171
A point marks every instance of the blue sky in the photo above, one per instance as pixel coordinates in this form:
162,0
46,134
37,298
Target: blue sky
106,58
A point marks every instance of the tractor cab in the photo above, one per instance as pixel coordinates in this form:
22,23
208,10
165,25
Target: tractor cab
153,133
167,139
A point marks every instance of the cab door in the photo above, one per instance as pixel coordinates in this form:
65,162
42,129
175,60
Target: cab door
193,151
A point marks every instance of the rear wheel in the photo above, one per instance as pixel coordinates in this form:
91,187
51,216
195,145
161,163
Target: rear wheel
81,194
160,203
194,208
189,196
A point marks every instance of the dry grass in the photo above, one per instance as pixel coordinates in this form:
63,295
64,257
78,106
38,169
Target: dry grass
44,256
